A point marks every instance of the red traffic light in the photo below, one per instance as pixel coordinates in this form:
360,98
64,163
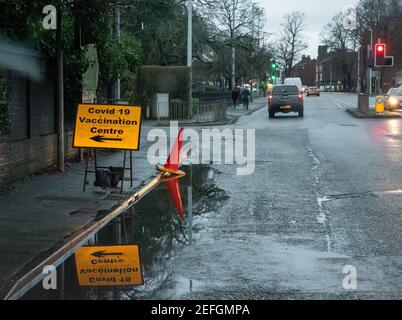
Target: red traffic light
380,56
380,48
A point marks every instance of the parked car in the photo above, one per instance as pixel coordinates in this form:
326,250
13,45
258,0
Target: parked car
313,91
285,99
393,99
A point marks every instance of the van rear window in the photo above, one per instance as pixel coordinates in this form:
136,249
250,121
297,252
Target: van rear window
286,89
396,92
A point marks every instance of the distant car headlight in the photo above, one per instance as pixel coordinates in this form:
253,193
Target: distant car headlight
393,101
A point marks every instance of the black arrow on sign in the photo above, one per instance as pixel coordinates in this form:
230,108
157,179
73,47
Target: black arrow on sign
103,139
101,254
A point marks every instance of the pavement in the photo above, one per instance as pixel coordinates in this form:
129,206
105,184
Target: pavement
40,212
325,195
348,102
372,114
254,106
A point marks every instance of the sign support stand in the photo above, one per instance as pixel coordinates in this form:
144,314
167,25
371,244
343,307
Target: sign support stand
105,126
117,240
61,277
122,173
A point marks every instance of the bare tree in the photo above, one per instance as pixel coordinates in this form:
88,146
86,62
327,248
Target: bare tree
291,42
379,17
341,41
233,18
335,35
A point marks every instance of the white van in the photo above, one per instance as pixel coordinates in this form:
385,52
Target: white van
294,81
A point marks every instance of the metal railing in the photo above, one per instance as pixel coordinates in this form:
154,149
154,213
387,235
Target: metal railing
197,112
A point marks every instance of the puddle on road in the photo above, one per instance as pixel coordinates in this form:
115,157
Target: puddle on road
155,226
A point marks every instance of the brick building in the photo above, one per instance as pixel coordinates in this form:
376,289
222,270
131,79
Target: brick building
336,70
306,70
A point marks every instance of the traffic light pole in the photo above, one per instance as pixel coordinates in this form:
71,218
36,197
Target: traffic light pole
371,68
358,69
190,53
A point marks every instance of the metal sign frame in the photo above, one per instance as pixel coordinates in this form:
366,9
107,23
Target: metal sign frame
122,173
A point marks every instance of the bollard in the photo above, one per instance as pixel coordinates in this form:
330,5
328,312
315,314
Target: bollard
379,104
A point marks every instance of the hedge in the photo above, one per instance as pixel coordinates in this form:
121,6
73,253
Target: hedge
158,79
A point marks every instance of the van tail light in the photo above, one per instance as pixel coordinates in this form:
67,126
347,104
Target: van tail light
300,97
270,98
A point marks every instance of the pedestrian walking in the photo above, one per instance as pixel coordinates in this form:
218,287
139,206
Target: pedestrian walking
238,96
235,97
246,94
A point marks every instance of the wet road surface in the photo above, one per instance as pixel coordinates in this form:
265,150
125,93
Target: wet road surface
326,193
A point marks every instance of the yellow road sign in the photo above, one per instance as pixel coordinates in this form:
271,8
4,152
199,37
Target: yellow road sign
108,266
107,127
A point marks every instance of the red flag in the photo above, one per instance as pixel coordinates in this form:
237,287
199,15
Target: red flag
173,186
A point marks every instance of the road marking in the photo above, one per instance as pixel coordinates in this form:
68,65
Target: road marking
388,193
339,106
323,211
350,104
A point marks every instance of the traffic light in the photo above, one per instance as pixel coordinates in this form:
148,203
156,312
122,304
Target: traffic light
273,70
380,56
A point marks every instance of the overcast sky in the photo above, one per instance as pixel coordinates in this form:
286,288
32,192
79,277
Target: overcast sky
318,13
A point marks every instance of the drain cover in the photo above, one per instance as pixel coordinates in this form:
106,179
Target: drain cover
348,125
117,196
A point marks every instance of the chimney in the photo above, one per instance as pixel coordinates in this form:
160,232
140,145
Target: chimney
322,52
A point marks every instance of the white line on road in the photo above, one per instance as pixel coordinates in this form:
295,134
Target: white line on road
339,106
388,193
322,216
350,104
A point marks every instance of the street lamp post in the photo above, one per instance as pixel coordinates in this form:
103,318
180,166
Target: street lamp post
190,33
233,75
370,91
190,51
330,73
252,49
